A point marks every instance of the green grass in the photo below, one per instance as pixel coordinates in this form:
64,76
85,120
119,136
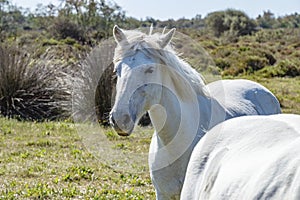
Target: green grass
287,90
50,160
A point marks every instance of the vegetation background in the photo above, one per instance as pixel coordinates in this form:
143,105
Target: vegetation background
41,54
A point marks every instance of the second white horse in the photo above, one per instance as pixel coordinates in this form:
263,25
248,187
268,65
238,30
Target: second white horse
249,157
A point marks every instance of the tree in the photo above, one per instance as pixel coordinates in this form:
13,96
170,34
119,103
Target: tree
94,18
11,19
267,20
232,21
288,21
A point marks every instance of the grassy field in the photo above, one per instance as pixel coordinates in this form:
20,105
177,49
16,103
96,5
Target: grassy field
58,160
50,161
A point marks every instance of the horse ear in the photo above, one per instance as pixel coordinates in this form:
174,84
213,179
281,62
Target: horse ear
118,34
150,29
164,30
166,38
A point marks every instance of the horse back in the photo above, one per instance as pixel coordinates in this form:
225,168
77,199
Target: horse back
243,97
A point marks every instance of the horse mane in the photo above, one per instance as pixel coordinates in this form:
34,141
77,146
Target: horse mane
149,44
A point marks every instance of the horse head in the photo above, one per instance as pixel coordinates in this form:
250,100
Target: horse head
139,77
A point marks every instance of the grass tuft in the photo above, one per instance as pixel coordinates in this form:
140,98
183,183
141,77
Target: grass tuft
31,90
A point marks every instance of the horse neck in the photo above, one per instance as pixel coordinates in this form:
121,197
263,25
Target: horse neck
177,131
175,118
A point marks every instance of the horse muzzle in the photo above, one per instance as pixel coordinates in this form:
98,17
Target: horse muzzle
122,124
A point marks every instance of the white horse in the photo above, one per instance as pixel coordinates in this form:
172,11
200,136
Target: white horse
249,157
151,77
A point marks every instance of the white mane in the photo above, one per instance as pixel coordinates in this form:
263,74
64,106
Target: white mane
149,44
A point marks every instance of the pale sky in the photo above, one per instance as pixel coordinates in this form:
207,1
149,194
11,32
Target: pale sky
167,9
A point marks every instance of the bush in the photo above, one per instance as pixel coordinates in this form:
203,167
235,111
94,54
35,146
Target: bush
93,85
231,21
50,42
105,92
285,68
254,63
30,90
289,68
65,28
222,63
69,41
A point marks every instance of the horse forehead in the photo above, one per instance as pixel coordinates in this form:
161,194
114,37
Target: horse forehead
139,58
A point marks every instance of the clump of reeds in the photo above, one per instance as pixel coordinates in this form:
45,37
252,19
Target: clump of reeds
31,89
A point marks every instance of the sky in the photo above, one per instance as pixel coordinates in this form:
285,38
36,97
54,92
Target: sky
175,9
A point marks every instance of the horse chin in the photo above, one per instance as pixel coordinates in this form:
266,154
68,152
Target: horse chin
123,132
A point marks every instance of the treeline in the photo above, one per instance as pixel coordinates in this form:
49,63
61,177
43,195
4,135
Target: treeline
89,21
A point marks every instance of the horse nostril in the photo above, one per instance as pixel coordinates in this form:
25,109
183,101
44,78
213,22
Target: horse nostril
126,119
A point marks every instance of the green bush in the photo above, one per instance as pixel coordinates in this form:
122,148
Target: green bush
69,41
222,63
232,22
63,28
244,57
50,42
254,63
285,68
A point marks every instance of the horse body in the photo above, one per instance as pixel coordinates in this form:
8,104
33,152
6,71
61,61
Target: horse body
168,180
151,77
250,157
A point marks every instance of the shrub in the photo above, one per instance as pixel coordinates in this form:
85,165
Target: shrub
289,68
64,28
232,21
285,68
222,63
254,63
28,38
93,85
229,36
69,41
30,90
104,95
50,42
